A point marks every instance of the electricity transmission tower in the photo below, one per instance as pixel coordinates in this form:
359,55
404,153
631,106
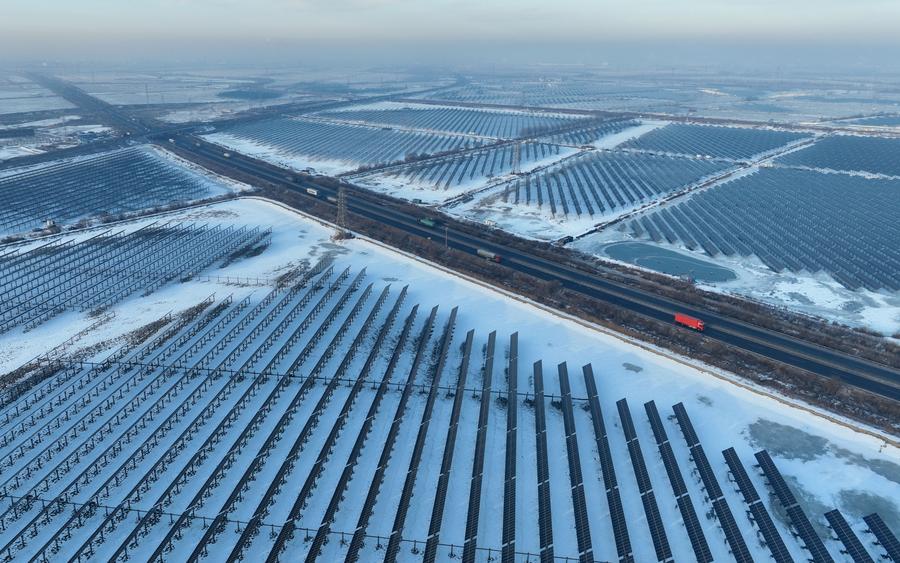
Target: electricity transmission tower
342,210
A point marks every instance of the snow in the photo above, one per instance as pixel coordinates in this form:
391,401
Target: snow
43,122
616,139
530,221
833,461
15,151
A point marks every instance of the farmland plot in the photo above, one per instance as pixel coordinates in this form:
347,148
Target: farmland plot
121,181
18,95
850,153
356,412
734,143
793,220
332,147
484,123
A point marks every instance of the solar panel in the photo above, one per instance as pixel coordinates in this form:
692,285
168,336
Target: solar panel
732,532
620,526
884,535
474,512
776,481
640,469
509,483
579,504
668,456
845,533
770,533
740,476
687,428
625,418
659,432
657,531
811,540
694,530
545,514
710,483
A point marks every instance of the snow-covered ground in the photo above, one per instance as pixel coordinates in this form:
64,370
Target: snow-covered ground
616,139
829,463
530,221
15,151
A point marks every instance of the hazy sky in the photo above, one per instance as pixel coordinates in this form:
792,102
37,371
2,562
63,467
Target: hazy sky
42,27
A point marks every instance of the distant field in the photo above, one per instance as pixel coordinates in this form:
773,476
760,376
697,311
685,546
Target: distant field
850,153
18,95
794,220
710,141
498,124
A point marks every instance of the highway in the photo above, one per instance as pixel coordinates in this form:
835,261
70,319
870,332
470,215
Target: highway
870,376
860,373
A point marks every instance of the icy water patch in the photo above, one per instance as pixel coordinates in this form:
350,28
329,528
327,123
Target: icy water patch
667,261
856,504
786,441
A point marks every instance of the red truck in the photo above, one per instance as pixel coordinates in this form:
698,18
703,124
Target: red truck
689,321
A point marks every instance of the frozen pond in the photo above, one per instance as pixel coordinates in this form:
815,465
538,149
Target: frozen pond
667,261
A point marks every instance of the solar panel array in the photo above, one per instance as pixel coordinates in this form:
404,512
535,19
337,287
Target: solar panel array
324,420
472,166
732,531
645,487
580,136
475,496
795,220
679,489
127,180
598,183
850,153
760,515
734,143
487,123
36,284
354,144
